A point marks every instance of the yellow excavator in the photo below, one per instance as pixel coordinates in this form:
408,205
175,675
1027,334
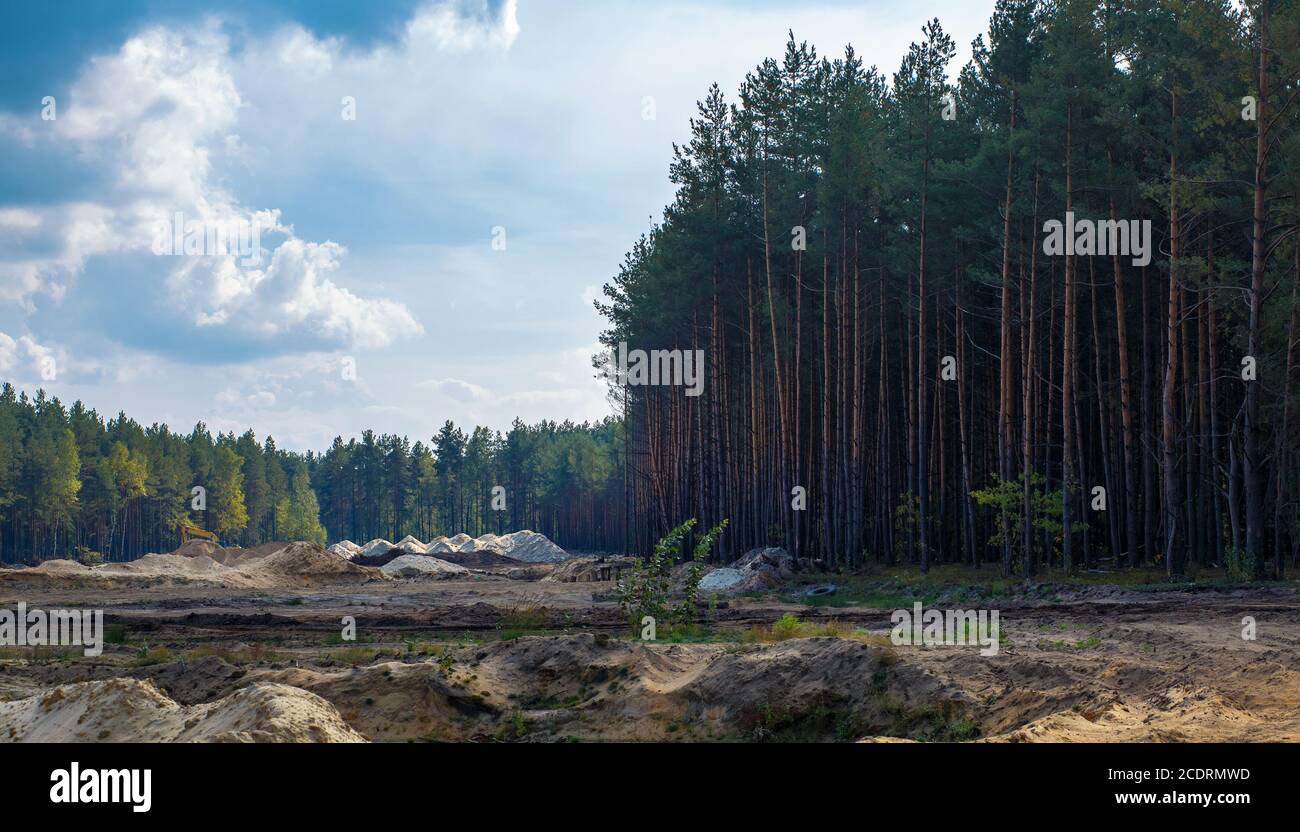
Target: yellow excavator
189,530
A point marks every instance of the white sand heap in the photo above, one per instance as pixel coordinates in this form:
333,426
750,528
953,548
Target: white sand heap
526,545
417,566
346,549
132,710
440,546
531,547
411,545
378,546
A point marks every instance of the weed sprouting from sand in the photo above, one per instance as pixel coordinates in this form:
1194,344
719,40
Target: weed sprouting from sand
522,618
147,656
242,654
825,717
788,627
38,655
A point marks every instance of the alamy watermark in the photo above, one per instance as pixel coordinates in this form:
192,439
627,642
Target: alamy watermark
121,785
946,628
177,236
53,628
678,368
1083,237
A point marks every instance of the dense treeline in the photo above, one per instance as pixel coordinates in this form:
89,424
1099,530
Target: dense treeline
75,485
563,480
887,326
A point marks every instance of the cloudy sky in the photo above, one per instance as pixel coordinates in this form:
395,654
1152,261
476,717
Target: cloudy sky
377,231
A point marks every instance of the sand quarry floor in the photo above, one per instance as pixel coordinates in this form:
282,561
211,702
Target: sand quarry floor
485,657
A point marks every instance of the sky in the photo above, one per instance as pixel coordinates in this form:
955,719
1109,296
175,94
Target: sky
439,188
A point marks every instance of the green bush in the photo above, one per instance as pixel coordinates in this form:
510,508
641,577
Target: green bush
644,591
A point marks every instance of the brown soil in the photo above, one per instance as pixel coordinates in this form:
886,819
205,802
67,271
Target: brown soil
487,657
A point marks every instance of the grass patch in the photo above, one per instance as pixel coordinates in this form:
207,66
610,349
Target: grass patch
355,656
826,718
251,654
147,656
522,619
788,626
1081,644
42,654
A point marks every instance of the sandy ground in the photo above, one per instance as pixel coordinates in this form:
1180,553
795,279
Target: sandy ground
484,657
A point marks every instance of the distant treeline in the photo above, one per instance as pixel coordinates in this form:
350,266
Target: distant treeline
896,347
73,484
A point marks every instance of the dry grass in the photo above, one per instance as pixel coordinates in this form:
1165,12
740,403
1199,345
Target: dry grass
248,654
787,627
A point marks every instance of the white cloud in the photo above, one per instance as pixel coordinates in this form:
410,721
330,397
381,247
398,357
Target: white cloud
464,122
25,360
152,113
456,389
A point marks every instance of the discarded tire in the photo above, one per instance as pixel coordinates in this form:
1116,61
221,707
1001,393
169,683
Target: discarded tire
815,591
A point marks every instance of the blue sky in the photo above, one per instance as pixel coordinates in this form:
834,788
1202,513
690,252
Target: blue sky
470,115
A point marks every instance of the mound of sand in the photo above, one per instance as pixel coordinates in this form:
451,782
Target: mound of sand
721,579
481,559
375,547
590,570
523,546
122,710
151,565
410,545
757,569
531,547
59,566
196,548
303,563
346,549
418,566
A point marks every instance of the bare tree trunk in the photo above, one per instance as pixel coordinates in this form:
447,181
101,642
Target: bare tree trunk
1254,430
1169,458
1067,371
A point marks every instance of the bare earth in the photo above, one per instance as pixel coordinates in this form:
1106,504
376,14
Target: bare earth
486,657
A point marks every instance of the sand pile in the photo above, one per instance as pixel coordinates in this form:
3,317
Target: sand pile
375,547
195,548
418,566
151,569
480,559
269,566
131,710
346,549
524,546
721,579
757,569
531,547
410,545
301,563
151,565
58,566
590,570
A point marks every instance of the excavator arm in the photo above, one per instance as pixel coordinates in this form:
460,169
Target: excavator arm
189,530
